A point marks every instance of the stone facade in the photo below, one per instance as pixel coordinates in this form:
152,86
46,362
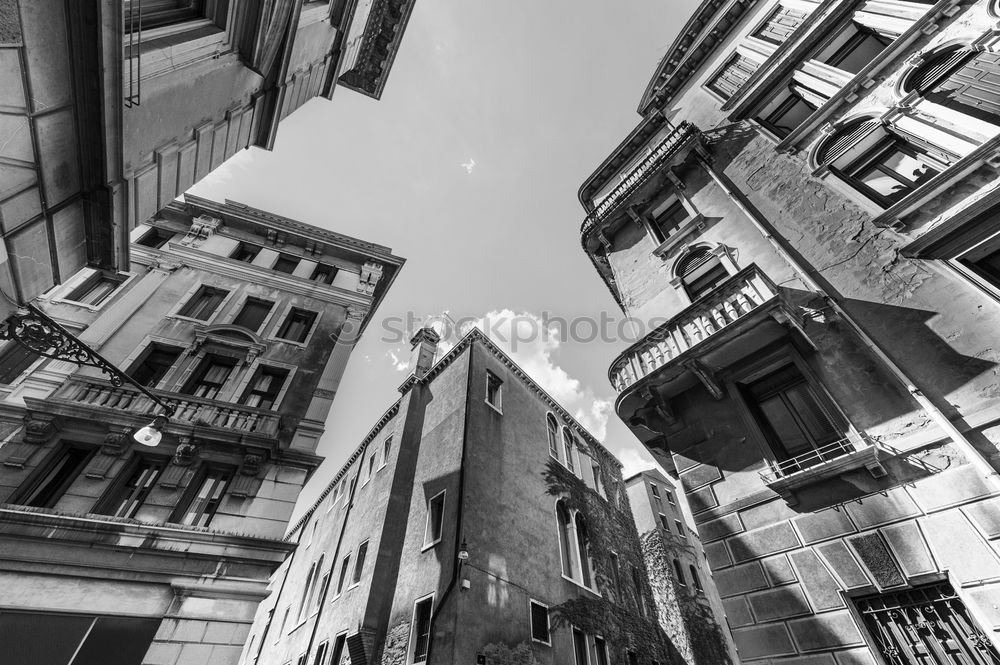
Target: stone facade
241,322
474,427
812,240
112,109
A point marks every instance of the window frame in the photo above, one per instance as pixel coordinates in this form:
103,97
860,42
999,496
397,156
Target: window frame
870,160
241,248
33,482
361,554
386,450
194,487
552,434
491,380
531,622
242,308
147,350
12,347
285,315
90,280
345,566
428,544
187,301
411,650
199,371
258,370
115,493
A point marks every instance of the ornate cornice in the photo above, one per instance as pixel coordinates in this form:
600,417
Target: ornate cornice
383,35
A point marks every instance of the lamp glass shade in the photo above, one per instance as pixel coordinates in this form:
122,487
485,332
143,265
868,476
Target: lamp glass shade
148,436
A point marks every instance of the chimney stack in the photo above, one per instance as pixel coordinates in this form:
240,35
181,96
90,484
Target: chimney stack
424,347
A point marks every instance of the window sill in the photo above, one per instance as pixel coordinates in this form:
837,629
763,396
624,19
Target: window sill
582,585
291,342
430,546
696,223
542,642
867,456
492,406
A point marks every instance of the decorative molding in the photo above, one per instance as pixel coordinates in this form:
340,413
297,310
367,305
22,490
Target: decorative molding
371,273
186,452
202,228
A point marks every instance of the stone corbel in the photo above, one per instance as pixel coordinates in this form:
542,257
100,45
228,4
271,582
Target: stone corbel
180,471
38,429
605,241
249,479
202,228
371,273
159,265
116,442
707,377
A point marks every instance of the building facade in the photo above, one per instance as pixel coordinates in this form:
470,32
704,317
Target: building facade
679,574
805,220
477,522
237,324
112,108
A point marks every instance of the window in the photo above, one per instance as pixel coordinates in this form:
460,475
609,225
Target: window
265,386
566,551
580,647
551,428
493,386
35,638
616,578
600,652
596,470
640,598
96,289
655,490
664,523
680,529
891,170
633,658
961,79
58,473
146,14
984,261
386,449
859,48
154,364
583,547
421,635
302,659
359,563
204,303
324,273
733,76
435,520
790,414
371,463
286,264
668,218
297,325
245,252
132,488
540,628
701,272
568,448
321,654
254,311
780,25
324,584
670,497
786,115
307,591
155,238
695,579
338,649
203,497
344,567
679,573
210,377
15,359
284,622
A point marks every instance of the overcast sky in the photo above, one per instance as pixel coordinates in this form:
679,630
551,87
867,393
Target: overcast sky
494,114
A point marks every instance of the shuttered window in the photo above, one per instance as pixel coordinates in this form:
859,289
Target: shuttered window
780,25
962,80
540,623
14,360
736,72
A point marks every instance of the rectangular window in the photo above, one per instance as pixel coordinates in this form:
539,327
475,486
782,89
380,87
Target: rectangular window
344,567
421,637
680,529
286,264
664,523
780,25
386,449
210,377
203,497
791,415
254,311
633,659
154,364
668,218
435,519
60,470
580,647
321,654
297,325
203,304
15,359
96,289
493,390
338,650
596,470
600,651
787,115
985,262
654,488
245,252
324,273
540,623
301,660
263,389
132,488
616,575
146,14
733,76
155,238
670,498
639,597
891,171
359,563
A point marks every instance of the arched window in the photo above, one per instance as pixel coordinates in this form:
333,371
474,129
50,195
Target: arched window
700,272
568,447
881,163
962,80
583,546
552,428
566,548
679,572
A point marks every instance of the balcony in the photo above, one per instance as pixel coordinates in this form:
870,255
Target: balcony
824,462
708,320
193,411
659,155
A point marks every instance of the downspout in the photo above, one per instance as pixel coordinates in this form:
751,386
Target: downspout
336,556
456,564
975,457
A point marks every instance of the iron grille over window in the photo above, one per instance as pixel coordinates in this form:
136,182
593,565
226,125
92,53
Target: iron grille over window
422,630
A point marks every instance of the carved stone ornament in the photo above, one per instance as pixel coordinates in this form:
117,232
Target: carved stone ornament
117,440
186,452
39,428
202,228
252,464
371,273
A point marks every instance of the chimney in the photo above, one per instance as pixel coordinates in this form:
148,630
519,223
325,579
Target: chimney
424,347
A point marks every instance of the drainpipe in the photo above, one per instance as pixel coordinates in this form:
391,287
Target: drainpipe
456,564
975,457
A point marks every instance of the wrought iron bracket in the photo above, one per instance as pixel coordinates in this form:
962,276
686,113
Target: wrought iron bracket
34,330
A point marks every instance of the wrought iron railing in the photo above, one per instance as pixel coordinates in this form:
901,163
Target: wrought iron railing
738,296
642,172
815,457
187,409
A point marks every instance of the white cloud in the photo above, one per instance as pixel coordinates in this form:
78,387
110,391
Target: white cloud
634,459
399,363
469,165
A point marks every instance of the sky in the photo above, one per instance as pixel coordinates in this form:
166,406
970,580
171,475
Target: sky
493,116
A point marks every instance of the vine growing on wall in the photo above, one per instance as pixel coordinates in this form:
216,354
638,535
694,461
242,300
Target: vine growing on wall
616,615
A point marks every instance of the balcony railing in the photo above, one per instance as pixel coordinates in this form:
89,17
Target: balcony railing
642,172
814,457
741,294
189,410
